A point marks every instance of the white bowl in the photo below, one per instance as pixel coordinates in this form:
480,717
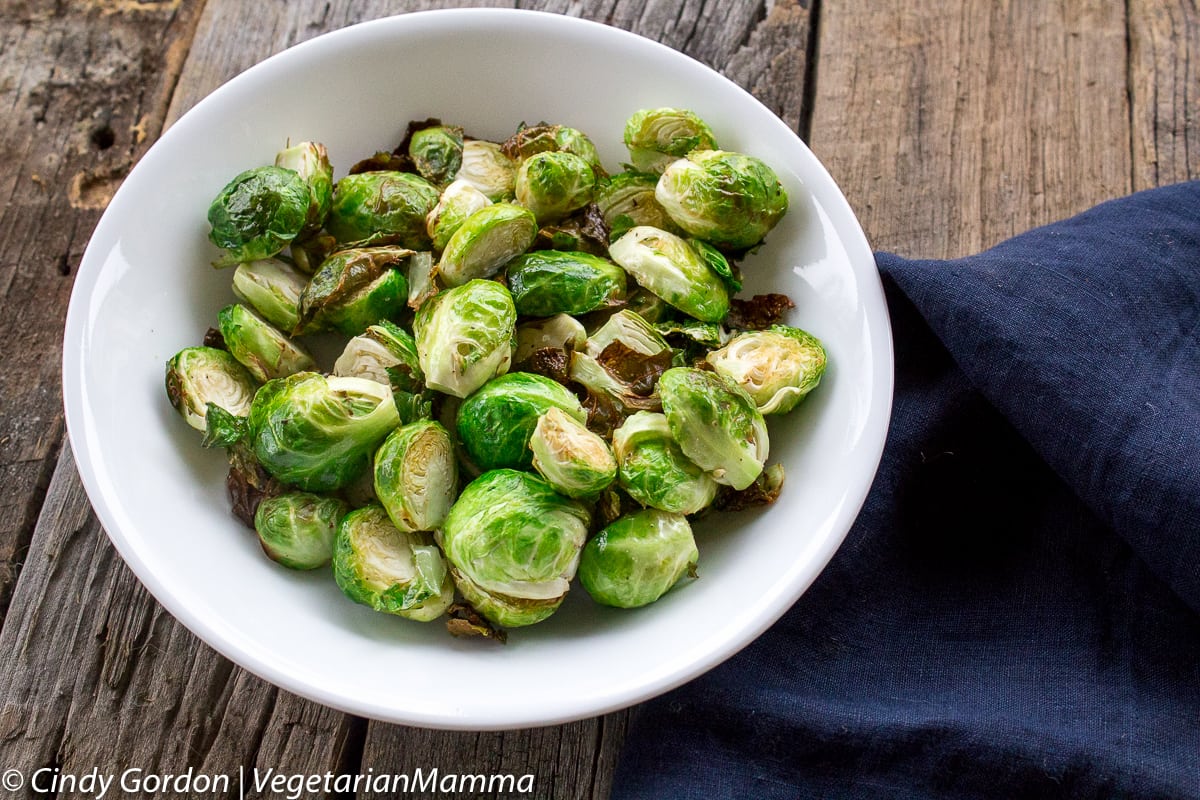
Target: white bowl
145,290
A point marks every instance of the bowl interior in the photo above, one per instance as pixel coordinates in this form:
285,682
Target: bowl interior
146,290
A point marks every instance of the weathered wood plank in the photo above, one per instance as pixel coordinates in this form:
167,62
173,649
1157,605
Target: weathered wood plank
951,126
1164,89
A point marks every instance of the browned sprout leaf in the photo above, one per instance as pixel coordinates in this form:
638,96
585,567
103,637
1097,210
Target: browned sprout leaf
530,141
551,362
638,371
759,312
248,484
584,231
465,621
213,338
604,413
764,491
384,161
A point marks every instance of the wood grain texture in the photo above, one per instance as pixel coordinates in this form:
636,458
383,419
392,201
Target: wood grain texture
952,126
1164,88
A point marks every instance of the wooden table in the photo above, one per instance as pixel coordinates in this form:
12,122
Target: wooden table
950,126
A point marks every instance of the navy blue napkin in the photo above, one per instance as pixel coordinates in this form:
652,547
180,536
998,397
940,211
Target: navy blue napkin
1016,612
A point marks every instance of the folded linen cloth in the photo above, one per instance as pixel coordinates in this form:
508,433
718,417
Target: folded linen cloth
1016,612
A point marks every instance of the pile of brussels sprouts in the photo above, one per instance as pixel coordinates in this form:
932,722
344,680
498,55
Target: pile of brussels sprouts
545,371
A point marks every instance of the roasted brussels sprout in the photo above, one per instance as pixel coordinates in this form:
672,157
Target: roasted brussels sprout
197,376
355,288
485,242
627,200
297,529
259,346
384,353
776,367
631,330
437,153
310,161
257,214
382,208
572,459
495,423
530,141
561,332
718,263
717,425
416,476
656,137
485,167
465,336
318,433
637,559
459,201
669,267
390,570
273,287
653,469
554,184
728,199
513,544
548,282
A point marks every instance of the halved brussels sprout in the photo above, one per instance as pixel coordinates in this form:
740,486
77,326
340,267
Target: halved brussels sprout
548,282
561,332
669,267
777,367
310,161
354,289
637,559
384,353
259,346
513,544
653,469
459,201
297,529
554,184
495,423
536,139
656,137
575,461
485,167
257,214
390,570
437,153
318,433
485,242
628,328
382,208
627,200
465,336
273,287
717,425
728,199
416,476
197,376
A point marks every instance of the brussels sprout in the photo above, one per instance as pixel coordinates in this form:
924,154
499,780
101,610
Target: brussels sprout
670,268
273,287
653,469
513,544
416,477
552,185
485,242
495,423
384,353
197,376
575,461
355,288
310,161
629,329
382,208
259,346
485,167
716,423
390,570
561,332
776,367
728,199
549,282
437,153
222,429
656,137
459,201
637,559
422,273
717,263
551,139
297,529
318,433
627,200
465,336
257,214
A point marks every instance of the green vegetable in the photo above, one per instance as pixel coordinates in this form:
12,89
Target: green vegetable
354,289
572,459
437,153
669,267
258,213
198,376
627,200
384,353
459,201
259,346
656,137
486,241
488,169
310,161
273,287
653,469
297,529
465,336
416,476
496,422
382,208
561,332
777,367
554,184
548,282
637,559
